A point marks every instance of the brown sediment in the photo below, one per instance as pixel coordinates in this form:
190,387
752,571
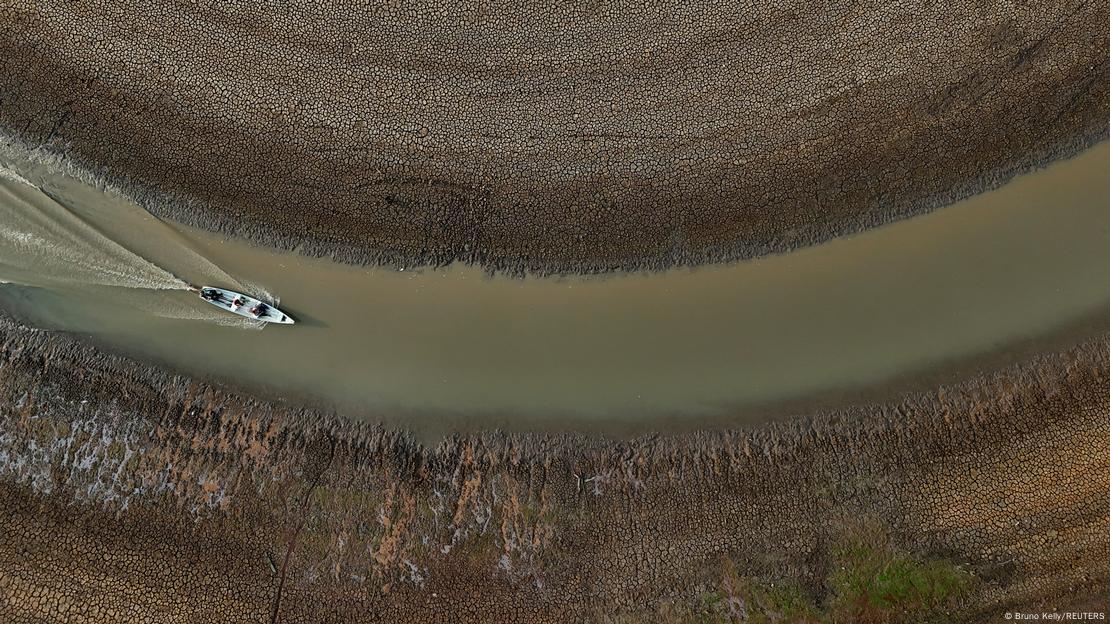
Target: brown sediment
131,494
538,138
130,491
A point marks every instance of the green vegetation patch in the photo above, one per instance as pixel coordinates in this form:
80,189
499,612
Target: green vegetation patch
744,599
872,581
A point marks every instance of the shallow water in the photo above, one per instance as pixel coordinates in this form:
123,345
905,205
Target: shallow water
452,345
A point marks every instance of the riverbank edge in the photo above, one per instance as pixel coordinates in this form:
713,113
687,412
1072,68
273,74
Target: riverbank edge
554,522
194,213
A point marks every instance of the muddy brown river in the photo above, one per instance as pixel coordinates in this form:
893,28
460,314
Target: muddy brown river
1001,268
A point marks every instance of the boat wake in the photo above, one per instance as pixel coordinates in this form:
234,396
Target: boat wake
44,244
260,292
63,232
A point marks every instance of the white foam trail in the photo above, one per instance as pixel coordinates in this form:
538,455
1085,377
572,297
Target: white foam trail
63,228
44,243
8,174
53,171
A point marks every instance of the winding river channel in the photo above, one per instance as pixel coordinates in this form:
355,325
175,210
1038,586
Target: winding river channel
1022,262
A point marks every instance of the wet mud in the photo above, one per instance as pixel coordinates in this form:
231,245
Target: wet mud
128,491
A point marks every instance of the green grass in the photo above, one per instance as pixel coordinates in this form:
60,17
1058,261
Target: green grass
762,603
874,582
870,582
896,590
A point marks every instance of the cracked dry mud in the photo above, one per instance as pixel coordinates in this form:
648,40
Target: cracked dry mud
569,137
133,495
572,137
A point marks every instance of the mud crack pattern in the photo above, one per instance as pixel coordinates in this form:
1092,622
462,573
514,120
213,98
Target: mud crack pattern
575,137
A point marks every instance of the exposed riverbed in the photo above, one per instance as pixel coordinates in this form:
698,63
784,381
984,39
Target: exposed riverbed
1001,268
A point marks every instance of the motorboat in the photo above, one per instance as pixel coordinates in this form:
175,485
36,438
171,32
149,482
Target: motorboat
243,305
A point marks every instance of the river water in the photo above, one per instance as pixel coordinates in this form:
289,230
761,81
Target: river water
445,348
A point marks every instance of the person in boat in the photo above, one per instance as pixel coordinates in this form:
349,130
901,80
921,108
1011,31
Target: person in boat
259,310
210,295
236,303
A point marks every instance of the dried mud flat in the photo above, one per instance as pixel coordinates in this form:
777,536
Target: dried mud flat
577,137
558,138
132,495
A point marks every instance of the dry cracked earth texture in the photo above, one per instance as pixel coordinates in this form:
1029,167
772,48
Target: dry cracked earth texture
130,495
555,137
576,136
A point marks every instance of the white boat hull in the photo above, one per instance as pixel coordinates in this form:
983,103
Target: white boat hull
225,300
